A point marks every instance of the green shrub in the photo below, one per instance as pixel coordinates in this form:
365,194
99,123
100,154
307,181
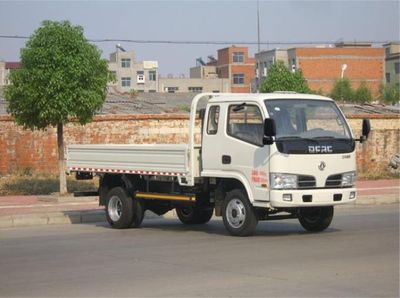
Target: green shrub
363,94
280,78
342,90
389,93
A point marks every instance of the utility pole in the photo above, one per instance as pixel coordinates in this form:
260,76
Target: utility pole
258,70
258,25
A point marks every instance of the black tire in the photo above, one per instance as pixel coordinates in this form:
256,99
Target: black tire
123,211
193,215
238,214
138,213
315,219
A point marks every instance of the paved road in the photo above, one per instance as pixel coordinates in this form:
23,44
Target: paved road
357,256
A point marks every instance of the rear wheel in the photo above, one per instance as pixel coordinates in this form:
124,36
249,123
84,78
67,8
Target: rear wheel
315,219
194,215
238,214
123,211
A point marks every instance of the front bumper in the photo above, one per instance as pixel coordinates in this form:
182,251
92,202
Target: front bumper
311,197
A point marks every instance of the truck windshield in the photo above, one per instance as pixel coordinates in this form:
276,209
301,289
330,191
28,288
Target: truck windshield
307,119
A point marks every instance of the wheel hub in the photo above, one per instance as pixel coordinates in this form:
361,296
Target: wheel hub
235,213
115,208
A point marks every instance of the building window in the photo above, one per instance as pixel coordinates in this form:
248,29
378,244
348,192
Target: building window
140,77
212,125
152,91
140,91
215,91
238,78
245,122
195,89
388,77
171,89
152,75
397,68
265,69
125,62
238,57
256,71
125,81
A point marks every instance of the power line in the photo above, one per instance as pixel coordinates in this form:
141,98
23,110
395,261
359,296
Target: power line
207,42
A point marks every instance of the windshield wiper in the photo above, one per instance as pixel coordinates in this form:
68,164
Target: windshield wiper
291,138
324,137
332,138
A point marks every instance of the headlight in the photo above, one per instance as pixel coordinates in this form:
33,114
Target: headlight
348,179
282,181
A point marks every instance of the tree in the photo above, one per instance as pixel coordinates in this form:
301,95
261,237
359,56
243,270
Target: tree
390,93
363,94
342,90
280,78
62,77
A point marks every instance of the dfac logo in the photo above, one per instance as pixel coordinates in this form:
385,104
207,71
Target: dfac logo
322,166
320,149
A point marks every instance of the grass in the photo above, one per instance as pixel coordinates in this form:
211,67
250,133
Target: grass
382,173
41,184
184,108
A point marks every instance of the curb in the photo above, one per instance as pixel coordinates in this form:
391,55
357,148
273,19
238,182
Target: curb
53,218
378,200
66,199
92,216
57,218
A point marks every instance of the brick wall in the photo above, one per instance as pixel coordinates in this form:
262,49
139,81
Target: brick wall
322,66
226,68
21,149
248,71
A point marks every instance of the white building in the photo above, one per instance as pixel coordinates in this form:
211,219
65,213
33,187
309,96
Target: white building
132,75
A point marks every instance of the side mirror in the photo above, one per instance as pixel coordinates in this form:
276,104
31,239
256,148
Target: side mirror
269,131
366,128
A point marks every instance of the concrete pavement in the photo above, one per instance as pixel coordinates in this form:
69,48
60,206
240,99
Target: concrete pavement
358,256
19,211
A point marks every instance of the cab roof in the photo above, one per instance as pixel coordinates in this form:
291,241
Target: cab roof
261,97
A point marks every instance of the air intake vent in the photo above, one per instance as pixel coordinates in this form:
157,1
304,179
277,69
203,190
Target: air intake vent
334,180
306,182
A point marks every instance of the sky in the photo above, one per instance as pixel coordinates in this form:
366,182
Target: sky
280,21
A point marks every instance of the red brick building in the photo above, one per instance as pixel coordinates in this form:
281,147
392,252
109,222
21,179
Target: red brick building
234,63
323,66
5,69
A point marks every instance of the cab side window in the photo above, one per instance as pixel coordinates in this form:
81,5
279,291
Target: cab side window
245,122
212,123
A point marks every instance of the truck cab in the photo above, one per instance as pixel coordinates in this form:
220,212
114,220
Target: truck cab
310,161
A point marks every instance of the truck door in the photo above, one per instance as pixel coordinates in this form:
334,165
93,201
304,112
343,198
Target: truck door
237,147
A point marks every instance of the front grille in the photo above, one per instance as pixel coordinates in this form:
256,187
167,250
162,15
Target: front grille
334,180
306,181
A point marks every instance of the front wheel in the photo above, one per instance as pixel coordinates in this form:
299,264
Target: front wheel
315,219
238,214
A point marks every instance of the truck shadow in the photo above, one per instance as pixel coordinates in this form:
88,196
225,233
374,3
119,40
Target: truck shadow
216,227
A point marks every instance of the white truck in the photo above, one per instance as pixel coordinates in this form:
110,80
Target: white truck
262,157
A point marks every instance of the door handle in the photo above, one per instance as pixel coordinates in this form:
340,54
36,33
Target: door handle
226,159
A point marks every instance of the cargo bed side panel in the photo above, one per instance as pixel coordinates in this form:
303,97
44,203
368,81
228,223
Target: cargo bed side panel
160,158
